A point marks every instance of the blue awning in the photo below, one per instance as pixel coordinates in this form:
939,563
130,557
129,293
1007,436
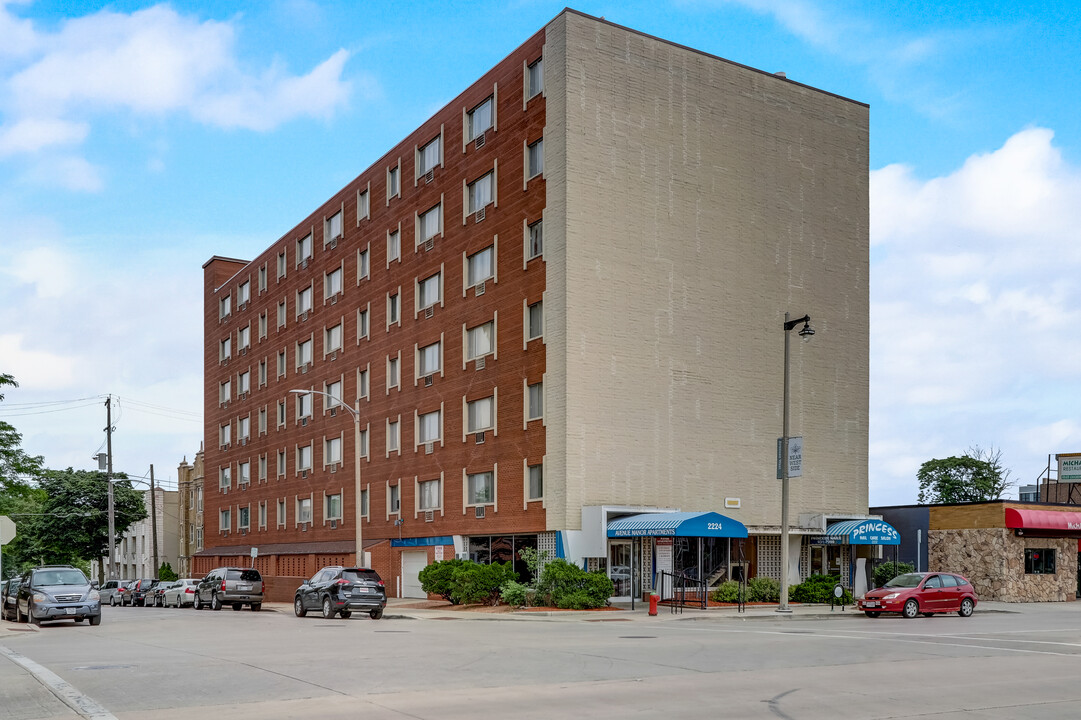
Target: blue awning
863,532
423,541
676,524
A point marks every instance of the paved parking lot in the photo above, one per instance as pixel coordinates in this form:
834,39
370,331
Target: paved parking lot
1008,662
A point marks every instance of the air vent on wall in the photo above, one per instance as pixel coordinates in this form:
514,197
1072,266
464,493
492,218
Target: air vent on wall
427,381
429,516
429,244
478,142
479,216
429,311
479,288
428,447
429,176
479,512
481,362
480,438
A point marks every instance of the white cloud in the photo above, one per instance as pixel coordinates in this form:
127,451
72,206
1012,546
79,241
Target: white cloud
975,309
32,134
31,366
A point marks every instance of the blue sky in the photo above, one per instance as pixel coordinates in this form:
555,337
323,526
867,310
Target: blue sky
137,140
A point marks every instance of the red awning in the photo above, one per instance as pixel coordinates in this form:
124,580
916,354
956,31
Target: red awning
1046,523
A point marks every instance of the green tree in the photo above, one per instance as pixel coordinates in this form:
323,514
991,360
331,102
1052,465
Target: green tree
17,469
166,573
976,476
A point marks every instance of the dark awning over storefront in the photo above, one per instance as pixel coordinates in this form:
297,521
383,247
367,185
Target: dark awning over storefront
1044,523
677,524
862,532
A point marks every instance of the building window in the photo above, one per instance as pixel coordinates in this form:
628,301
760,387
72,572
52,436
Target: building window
304,405
393,374
281,413
225,351
363,443
304,510
393,182
362,264
394,245
243,428
362,323
304,353
536,158
429,495
281,463
429,427
480,192
394,433
333,507
304,301
243,294
392,308
243,518
281,363
334,390
479,415
332,284
536,321
480,340
262,471
428,157
225,392
535,240
304,457
536,482
480,118
281,513
429,223
225,522
536,401
333,228
262,278
281,265
363,205
243,338
262,421
428,291
243,383
243,473
362,383
364,503
281,314
225,478
304,249
1039,561
225,434
262,515
536,78
225,307
479,266
333,338
333,451
481,488
394,499
262,325
428,360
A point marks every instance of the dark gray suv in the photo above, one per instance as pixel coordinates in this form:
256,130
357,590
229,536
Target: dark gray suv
54,592
338,590
230,586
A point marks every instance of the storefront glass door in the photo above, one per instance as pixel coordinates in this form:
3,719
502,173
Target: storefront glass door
619,569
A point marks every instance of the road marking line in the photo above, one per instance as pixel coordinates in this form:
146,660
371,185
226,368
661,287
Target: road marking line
77,701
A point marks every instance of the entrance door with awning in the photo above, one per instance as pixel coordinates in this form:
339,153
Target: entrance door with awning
859,532
676,524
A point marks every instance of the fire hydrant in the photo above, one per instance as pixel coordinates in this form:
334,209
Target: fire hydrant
653,598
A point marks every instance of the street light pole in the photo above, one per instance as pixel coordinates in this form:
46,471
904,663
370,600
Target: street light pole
109,481
356,468
805,332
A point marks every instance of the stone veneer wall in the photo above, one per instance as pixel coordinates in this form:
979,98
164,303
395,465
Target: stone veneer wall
993,559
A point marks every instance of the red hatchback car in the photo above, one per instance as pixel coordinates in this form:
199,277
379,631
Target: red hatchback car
914,594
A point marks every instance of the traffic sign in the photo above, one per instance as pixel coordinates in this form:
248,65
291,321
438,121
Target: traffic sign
7,530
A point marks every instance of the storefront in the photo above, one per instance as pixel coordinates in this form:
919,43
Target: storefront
845,548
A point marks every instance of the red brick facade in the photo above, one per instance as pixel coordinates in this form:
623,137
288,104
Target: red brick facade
511,445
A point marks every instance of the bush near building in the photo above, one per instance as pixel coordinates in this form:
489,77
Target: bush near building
569,587
889,570
815,589
465,581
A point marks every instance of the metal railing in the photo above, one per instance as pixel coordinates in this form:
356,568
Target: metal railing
679,590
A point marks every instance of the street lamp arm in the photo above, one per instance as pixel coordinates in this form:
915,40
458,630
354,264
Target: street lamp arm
354,413
788,324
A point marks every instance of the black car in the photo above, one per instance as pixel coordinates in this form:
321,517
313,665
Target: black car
141,592
53,592
338,590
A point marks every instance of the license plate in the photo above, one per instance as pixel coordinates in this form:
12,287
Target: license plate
244,587
364,590
69,611
871,603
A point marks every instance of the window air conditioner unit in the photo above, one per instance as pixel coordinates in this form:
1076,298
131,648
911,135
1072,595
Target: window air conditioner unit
481,363
333,411
303,473
429,176
478,142
243,442
304,368
429,311
243,531
333,299
333,524
333,242
479,216
304,315
480,438
428,447
334,355
303,421
304,263
225,360
427,381
479,512
429,244
303,527
334,467
429,516
479,288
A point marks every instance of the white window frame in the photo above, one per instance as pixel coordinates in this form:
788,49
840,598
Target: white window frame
304,249
473,484
480,414
429,155
333,283
475,123
332,338
473,337
426,489
534,391
535,78
430,291
535,159
539,468
481,192
430,359
474,268
427,424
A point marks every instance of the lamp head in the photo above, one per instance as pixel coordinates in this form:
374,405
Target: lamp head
806,331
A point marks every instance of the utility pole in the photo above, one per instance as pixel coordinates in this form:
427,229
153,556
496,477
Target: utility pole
154,521
109,479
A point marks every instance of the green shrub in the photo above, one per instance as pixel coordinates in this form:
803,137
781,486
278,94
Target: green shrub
763,589
889,570
438,578
817,589
166,573
728,592
477,583
560,580
515,593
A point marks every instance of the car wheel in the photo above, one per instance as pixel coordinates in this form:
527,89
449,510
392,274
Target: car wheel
237,606
328,608
215,602
197,603
376,614
967,607
298,607
95,620
345,614
112,601
33,620
912,609
256,607
873,613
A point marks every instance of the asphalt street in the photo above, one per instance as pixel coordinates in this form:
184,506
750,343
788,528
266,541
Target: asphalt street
1017,661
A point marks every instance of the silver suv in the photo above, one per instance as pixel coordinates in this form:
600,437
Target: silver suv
230,586
55,592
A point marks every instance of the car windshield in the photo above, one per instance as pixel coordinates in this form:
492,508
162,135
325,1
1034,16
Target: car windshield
59,577
908,580
245,575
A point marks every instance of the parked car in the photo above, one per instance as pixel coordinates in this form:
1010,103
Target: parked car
54,592
337,590
230,586
180,593
924,593
137,592
110,591
156,595
7,600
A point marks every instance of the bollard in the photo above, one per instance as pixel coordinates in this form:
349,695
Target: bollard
653,598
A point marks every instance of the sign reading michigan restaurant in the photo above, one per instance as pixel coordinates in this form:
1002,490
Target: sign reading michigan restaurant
1069,467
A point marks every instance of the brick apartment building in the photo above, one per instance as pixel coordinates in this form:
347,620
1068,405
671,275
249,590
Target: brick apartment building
189,520
556,303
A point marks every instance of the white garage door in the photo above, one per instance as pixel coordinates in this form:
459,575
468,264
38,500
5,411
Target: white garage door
413,561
